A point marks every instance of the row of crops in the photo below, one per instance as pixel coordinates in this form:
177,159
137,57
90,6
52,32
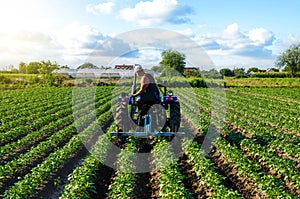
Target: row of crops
243,144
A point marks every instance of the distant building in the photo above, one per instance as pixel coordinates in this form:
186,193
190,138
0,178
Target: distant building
190,68
65,71
110,73
251,73
124,67
119,72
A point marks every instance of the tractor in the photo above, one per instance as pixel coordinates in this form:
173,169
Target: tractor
148,120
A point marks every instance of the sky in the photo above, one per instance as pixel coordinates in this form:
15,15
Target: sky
231,33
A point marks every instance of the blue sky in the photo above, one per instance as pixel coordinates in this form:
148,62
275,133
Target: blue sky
232,33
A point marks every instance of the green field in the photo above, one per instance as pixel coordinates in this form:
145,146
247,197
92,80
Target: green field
262,82
251,150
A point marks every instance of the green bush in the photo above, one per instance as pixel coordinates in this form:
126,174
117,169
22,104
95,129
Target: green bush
33,79
274,75
5,80
197,82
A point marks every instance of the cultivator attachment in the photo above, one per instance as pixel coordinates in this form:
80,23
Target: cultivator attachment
147,133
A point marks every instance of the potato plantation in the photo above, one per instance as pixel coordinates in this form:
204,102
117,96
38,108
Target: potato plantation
253,152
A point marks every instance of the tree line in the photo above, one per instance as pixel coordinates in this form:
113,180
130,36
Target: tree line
288,61
174,62
35,67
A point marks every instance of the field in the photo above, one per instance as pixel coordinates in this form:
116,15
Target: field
243,143
262,82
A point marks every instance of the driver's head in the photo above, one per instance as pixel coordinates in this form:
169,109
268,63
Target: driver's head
138,69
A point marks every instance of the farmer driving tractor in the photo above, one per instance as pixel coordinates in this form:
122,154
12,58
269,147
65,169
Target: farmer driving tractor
148,94
158,116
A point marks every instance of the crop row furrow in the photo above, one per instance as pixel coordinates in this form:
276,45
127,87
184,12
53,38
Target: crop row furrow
28,186
250,127
21,100
248,169
282,167
82,179
45,147
274,179
16,118
170,178
78,110
123,182
205,171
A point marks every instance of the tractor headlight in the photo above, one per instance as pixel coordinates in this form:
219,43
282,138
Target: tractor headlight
170,93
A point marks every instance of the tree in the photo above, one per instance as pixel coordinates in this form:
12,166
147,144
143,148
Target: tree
65,66
22,67
192,73
253,69
33,67
211,74
290,59
14,70
88,65
47,67
239,72
226,72
173,59
156,68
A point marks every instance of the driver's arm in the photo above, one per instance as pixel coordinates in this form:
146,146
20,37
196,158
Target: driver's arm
144,84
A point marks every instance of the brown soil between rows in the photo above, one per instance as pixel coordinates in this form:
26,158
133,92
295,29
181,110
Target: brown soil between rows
53,188
26,147
144,180
191,180
286,184
244,186
148,186
103,180
153,183
10,180
143,189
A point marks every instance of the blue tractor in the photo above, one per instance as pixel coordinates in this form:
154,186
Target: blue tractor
148,120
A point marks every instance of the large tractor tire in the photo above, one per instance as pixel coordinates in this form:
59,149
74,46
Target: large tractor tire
174,116
122,117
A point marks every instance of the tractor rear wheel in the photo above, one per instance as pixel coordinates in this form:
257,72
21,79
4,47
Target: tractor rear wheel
122,117
174,116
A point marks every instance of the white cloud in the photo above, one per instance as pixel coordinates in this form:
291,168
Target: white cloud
105,8
233,41
281,45
77,41
156,12
187,32
78,36
71,44
236,47
26,46
291,40
261,36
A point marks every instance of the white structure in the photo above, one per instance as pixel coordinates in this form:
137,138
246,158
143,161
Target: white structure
99,73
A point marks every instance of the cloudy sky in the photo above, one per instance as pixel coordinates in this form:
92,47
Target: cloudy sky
242,33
